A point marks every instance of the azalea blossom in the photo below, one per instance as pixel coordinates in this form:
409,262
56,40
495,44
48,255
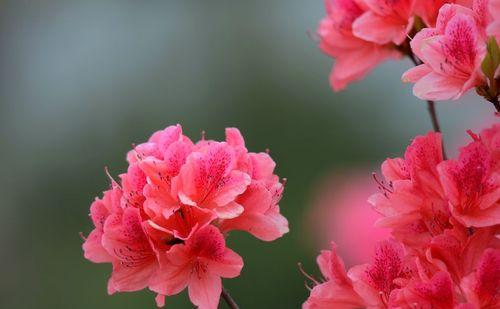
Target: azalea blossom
385,21
472,186
428,10
198,264
494,26
336,290
412,200
100,210
451,53
354,57
444,215
453,43
481,286
161,226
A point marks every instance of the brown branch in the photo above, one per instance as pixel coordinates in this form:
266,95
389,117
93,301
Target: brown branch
432,112
431,108
229,300
496,103
430,104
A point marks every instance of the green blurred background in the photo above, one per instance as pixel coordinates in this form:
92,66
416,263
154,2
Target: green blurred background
82,80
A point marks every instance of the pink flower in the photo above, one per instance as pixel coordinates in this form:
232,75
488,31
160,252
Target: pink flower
198,264
209,179
100,210
434,292
261,215
134,260
494,26
428,10
342,213
385,21
412,201
119,238
482,287
451,53
376,281
444,216
472,185
337,290
490,138
364,286
354,56
160,227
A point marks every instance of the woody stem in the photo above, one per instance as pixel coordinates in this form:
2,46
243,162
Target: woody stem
430,104
496,103
432,112
229,300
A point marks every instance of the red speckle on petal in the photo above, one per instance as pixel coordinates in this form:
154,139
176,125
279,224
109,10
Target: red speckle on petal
387,266
488,276
208,243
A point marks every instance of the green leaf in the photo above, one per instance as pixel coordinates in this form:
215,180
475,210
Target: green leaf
493,51
487,66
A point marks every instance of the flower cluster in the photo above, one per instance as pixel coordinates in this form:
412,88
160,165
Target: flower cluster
163,226
445,221
453,43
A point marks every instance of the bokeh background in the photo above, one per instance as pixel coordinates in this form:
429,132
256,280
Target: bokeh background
82,80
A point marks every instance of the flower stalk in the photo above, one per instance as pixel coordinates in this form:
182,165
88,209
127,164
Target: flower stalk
228,299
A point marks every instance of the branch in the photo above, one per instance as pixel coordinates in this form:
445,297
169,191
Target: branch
229,300
432,112
430,104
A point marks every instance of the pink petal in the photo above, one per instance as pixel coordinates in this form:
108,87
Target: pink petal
483,218
395,169
186,220
166,137
256,199
420,40
401,8
159,202
415,74
331,295
260,218
234,185
259,225
438,291
370,296
379,29
494,29
332,266
262,165
234,137
353,65
160,300
174,273
204,290
208,243
129,279
334,40
229,211
142,151
437,87
125,240
175,156
229,267
93,249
